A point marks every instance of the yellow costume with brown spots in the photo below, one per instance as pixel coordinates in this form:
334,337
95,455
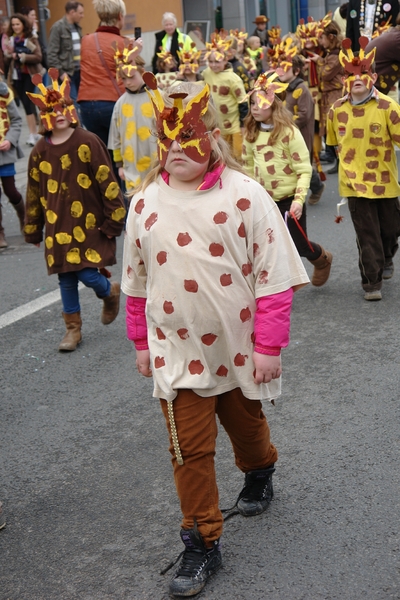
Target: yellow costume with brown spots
364,136
228,92
134,147
73,194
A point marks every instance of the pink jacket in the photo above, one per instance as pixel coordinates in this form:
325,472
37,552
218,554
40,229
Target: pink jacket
271,322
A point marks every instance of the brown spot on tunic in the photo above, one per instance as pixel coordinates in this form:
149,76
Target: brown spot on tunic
385,177
160,334
394,117
384,104
360,187
223,90
222,371
214,88
183,333
238,92
150,221
224,109
243,204
369,177
274,184
227,124
139,206
269,156
270,234
245,314
296,156
284,155
138,244
372,152
263,277
387,157
159,362
191,285
271,170
129,270
396,137
372,164
358,112
379,190
162,257
195,367
288,170
216,249
256,249
376,141
241,230
358,133
285,140
220,218
168,307
208,339
342,117
351,174
240,360
226,279
183,239
247,269
350,154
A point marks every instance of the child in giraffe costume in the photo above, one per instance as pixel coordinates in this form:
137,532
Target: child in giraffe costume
72,194
131,140
209,271
365,126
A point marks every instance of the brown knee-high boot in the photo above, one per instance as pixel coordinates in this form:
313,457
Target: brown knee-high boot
111,304
20,210
322,268
73,336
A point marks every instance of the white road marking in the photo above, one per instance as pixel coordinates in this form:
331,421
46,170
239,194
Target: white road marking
30,307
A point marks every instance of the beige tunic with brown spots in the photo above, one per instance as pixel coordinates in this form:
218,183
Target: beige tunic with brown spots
73,194
201,258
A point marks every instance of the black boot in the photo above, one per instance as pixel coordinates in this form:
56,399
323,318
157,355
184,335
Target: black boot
197,564
257,492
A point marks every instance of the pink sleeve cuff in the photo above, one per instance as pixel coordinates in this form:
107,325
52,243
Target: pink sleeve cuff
272,320
276,351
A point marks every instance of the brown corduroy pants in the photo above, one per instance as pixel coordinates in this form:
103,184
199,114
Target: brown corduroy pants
195,480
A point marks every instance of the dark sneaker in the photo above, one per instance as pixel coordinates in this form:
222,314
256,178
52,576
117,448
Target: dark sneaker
257,492
196,566
388,271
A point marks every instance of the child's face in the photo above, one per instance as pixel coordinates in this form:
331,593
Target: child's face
261,115
287,75
216,65
133,83
359,86
61,123
255,44
324,41
181,167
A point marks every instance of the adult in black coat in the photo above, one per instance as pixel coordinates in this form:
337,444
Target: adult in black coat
170,39
356,13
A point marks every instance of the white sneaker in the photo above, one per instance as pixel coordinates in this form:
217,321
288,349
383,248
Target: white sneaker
31,141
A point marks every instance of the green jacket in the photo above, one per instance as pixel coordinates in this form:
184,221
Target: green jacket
59,48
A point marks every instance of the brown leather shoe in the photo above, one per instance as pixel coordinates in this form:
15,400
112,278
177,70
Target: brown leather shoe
111,305
20,210
73,337
322,268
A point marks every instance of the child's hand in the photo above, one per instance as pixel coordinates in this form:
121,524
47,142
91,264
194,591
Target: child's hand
296,209
143,362
5,146
267,367
121,173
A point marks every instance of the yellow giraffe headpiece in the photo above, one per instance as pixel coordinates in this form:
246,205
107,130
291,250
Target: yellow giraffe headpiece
53,99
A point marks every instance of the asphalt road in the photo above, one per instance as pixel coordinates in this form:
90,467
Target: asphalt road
86,480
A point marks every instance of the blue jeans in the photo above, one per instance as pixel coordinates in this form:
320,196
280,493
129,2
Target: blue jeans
74,83
96,117
68,283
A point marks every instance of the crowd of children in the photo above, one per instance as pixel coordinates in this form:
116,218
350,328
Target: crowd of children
216,164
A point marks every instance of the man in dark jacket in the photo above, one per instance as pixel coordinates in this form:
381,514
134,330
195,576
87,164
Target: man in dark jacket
64,47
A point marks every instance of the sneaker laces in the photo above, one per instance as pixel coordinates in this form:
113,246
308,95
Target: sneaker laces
252,490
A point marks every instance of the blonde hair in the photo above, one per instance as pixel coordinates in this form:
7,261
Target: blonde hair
220,151
109,11
282,121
